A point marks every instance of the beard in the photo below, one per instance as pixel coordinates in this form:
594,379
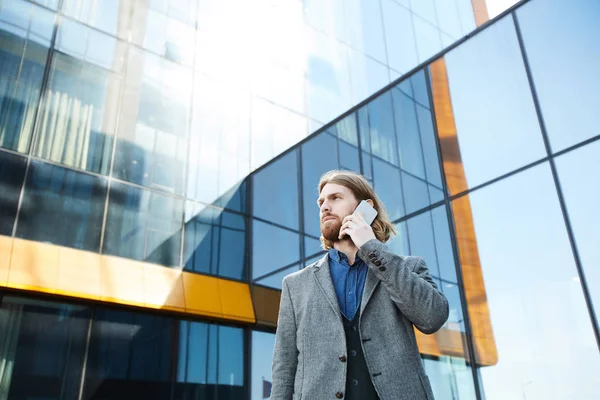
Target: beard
331,229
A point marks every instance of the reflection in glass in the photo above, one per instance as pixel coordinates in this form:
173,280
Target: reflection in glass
449,18
366,30
219,140
25,33
272,248
110,16
319,155
386,180
78,116
143,225
429,41
152,143
487,74
62,206
581,197
381,128
130,356
570,104
12,173
367,76
416,195
450,377
399,243
538,314
275,280
275,191
425,9
43,348
215,241
422,241
263,344
312,246
430,152
443,244
399,36
407,129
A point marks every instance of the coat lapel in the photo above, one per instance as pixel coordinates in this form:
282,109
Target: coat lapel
324,281
370,284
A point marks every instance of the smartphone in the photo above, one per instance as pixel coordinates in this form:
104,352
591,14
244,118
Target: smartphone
368,212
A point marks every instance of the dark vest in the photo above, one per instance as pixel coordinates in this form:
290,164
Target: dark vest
358,380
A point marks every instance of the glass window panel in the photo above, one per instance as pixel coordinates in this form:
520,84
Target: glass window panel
448,17
581,196
419,84
447,40
467,16
487,74
455,320
366,28
349,156
319,155
422,244
110,16
62,206
409,139
450,377
12,173
274,129
152,143
569,105
275,280
428,37
415,191
313,260
386,179
367,167
346,129
535,301
53,4
168,37
399,36
263,344
89,45
366,75
399,243
25,33
381,127
311,246
130,356
443,244
435,194
328,17
430,151
266,256
328,77
363,129
78,116
219,140
231,363
425,9
281,179
143,225
43,345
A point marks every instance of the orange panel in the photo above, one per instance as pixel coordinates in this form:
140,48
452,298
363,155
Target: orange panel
480,11
445,342
6,244
163,288
266,305
33,266
122,281
202,295
236,301
79,273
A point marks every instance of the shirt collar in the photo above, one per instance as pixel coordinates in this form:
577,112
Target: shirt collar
340,257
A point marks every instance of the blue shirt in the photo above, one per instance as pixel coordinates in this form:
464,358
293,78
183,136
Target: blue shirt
348,281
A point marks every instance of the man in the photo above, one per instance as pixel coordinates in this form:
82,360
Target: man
346,322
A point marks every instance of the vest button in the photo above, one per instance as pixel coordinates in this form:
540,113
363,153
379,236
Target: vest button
343,358
339,395
355,382
377,263
382,269
353,353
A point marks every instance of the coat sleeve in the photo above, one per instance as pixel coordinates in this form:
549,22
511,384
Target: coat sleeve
285,354
409,285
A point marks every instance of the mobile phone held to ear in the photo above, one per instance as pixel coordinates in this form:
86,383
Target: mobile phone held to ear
368,212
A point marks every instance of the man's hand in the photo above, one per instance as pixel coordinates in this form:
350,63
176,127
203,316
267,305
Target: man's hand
356,227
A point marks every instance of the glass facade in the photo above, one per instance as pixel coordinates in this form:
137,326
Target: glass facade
141,165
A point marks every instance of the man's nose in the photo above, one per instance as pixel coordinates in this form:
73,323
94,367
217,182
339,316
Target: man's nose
325,207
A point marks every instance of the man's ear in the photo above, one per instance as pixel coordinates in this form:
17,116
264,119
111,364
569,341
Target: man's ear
371,202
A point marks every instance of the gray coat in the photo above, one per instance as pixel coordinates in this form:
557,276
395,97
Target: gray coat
398,294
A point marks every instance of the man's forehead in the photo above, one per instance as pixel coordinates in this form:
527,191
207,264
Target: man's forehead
333,188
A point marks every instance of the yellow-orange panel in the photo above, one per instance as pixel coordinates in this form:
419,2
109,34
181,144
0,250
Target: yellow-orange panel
480,11
163,288
122,281
79,273
33,266
202,295
266,305
236,301
6,244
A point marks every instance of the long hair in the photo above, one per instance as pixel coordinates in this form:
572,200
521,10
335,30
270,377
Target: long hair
362,189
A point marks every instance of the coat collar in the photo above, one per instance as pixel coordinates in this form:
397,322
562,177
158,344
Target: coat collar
323,277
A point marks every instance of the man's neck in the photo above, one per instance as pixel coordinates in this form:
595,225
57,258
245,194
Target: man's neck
347,247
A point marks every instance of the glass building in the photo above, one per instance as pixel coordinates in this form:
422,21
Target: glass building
158,172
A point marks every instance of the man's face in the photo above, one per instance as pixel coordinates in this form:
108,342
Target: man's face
335,202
